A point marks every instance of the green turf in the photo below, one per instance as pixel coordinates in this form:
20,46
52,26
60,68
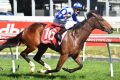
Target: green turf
92,70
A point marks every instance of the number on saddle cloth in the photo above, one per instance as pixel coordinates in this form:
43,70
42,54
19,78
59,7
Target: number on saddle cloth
48,34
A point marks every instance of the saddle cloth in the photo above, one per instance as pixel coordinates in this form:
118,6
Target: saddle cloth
48,34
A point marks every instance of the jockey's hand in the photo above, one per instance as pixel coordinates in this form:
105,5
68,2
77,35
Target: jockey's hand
63,19
67,16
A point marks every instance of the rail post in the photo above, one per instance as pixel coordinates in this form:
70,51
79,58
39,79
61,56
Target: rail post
111,65
84,48
13,62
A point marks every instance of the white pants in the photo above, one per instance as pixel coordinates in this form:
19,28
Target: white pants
67,24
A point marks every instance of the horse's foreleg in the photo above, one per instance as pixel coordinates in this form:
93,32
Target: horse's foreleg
61,61
24,54
76,57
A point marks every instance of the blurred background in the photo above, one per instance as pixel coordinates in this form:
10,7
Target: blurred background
49,7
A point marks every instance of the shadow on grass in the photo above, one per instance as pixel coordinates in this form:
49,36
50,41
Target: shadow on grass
41,76
1,68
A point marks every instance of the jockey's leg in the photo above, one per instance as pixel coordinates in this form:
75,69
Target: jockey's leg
58,35
70,24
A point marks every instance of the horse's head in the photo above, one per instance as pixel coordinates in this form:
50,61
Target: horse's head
100,23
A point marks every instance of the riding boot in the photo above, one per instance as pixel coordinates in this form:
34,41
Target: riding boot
58,35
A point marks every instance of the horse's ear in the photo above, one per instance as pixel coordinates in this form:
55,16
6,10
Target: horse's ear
95,15
89,15
92,13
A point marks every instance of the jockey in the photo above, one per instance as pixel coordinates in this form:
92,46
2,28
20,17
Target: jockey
67,17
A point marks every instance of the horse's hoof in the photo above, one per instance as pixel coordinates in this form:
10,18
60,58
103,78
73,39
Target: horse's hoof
45,72
32,69
42,71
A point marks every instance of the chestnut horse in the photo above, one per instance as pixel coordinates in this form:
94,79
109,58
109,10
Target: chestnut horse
71,45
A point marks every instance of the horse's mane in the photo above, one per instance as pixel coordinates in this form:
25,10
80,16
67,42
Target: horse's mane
89,14
78,25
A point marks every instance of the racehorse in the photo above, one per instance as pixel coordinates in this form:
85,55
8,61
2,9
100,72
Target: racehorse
70,46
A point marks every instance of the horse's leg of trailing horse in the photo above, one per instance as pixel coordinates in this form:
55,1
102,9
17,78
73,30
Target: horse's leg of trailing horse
61,61
24,54
41,50
77,59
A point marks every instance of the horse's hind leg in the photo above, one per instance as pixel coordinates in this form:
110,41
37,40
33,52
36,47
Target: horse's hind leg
41,50
25,53
77,59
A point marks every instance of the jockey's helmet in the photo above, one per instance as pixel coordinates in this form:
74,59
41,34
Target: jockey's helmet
77,7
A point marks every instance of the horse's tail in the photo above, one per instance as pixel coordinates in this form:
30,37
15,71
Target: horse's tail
12,42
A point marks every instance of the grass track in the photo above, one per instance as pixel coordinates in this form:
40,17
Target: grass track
92,70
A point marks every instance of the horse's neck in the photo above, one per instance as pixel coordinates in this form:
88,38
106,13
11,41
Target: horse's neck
89,25
86,29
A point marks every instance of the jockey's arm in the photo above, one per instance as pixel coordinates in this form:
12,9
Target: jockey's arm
61,14
68,15
74,17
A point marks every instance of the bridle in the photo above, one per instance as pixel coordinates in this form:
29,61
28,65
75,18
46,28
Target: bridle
98,21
